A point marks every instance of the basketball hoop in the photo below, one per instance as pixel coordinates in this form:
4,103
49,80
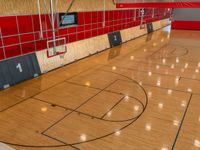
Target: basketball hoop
56,47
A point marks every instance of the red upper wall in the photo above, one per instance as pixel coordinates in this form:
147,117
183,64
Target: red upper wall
21,34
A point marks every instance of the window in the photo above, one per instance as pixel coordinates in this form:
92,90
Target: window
67,19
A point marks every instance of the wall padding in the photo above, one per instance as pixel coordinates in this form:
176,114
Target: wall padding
75,51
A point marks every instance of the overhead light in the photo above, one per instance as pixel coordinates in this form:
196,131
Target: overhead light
169,91
117,133
83,137
163,61
175,122
87,83
164,148
189,90
177,60
183,103
197,143
114,68
186,65
132,58
109,113
136,107
148,127
149,94
172,66
44,109
149,73
126,98
199,65
158,83
160,105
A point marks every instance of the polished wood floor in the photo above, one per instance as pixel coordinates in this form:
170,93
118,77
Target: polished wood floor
142,95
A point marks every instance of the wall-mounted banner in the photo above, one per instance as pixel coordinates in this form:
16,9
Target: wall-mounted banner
15,70
114,39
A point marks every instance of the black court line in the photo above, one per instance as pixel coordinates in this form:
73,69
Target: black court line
173,51
154,63
73,147
136,118
183,118
131,122
152,54
112,107
43,90
157,86
166,88
66,108
190,79
186,52
33,97
170,89
133,69
173,75
100,137
77,107
184,45
92,116
141,47
159,74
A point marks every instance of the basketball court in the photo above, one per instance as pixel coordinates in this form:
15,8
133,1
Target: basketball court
133,87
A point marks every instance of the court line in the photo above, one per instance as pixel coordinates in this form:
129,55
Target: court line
153,72
112,107
23,100
152,54
186,52
152,63
159,74
153,85
76,148
144,71
89,115
52,86
146,97
183,118
77,107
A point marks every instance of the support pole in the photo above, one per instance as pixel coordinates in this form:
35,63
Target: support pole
53,26
104,13
40,20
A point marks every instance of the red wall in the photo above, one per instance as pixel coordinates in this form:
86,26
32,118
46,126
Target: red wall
186,25
25,39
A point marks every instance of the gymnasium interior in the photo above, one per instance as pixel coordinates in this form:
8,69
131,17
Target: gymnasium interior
99,74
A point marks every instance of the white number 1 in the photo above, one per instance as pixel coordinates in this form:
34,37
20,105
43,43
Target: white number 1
19,67
115,38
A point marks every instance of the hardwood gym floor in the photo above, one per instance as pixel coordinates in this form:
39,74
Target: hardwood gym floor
142,95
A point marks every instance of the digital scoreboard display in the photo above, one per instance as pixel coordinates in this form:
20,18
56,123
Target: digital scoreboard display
67,19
